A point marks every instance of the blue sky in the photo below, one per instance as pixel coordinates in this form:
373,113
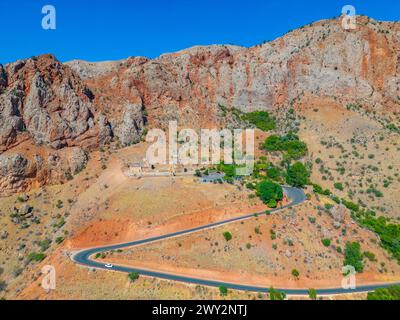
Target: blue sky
115,29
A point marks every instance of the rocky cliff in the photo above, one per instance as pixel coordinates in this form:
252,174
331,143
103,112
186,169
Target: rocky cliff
321,59
85,105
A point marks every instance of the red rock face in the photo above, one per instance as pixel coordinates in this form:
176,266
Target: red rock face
81,104
323,60
50,102
45,103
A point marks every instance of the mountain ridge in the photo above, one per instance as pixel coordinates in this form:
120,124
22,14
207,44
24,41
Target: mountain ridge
84,105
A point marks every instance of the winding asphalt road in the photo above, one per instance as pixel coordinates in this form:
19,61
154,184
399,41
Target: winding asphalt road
296,195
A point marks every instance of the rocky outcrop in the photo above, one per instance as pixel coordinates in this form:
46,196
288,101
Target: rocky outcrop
131,128
50,102
87,70
83,104
15,172
319,60
45,102
3,78
338,213
10,120
19,173
62,165
77,160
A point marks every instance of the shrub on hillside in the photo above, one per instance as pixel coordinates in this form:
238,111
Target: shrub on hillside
276,295
389,233
353,256
227,236
326,242
37,257
339,186
223,291
133,276
261,119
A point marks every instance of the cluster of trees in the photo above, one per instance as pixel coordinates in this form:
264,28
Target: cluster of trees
36,257
390,293
273,173
351,205
353,256
388,232
318,189
375,191
261,119
392,127
229,170
264,169
290,144
269,192
297,175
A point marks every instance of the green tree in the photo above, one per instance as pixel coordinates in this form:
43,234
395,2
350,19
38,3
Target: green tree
351,205
37,257
276,295
272,203
227,235
312,293
290,143
318,189
297,175
272,143
133,276
338,186
370,256
44,245
353,256
273,173
389,233
268,190
326,242
295,149
223,291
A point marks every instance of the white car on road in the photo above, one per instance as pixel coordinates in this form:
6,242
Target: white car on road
108,265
